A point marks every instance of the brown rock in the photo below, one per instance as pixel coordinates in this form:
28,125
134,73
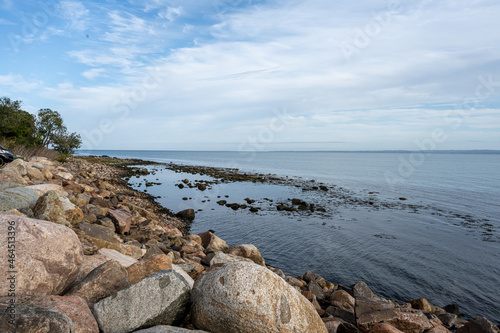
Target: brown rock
248,251
310,276
343,300
35,174
421,304
384,328
123,259
122,220
51,314
49,208
102,282
47,174
209,240
478,325
48,256
153,261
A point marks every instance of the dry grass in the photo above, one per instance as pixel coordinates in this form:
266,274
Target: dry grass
27,152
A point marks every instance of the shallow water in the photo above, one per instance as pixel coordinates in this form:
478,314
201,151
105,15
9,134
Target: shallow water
431,249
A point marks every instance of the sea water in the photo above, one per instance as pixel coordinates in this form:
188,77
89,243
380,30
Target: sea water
445,248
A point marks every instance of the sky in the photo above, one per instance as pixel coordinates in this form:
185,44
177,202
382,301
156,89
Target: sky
259,75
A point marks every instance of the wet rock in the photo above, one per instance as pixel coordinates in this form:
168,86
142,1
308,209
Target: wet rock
187,214
202,187
48,314
446,318
102,282
222,202
244,297
343,300
313,277
421,304
160,299
478,325
48,256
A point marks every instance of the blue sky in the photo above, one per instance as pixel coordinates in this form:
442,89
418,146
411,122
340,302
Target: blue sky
259,75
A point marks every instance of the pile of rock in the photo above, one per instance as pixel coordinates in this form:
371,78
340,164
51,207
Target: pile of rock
85,253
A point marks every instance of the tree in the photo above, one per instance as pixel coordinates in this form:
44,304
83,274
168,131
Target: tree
48,124
16,123
66,143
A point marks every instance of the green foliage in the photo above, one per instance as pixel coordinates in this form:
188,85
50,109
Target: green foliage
48,124
16,124
46,129
66,143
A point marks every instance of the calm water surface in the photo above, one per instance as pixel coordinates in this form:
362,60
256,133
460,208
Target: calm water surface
447,250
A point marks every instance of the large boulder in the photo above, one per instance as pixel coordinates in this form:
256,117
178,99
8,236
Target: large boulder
41,189
47,256
210,241
123,259
245,297
187,214
161,299
47,314
18,198
102,282
222,258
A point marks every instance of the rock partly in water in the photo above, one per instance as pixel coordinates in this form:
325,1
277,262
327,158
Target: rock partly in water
249,251
245,297
161,299
187,214
479,325
48,256
211,241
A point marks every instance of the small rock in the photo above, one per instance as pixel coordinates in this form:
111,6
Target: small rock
187,214
209,240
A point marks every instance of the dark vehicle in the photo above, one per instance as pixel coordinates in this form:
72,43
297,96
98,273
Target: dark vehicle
5,156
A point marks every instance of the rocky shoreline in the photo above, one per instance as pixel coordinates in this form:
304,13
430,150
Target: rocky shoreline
84,252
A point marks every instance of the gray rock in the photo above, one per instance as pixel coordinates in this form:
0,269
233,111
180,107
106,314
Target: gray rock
48,314
49,208
160,299
361,289
99,231
246,298
32,319
167,329
18,198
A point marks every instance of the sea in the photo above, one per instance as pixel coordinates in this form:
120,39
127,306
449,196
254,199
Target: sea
410,224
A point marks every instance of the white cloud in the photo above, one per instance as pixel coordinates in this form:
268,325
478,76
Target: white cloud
12,82
171,13
94,73
76,13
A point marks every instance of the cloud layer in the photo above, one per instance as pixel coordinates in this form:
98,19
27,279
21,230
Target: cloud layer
340,76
